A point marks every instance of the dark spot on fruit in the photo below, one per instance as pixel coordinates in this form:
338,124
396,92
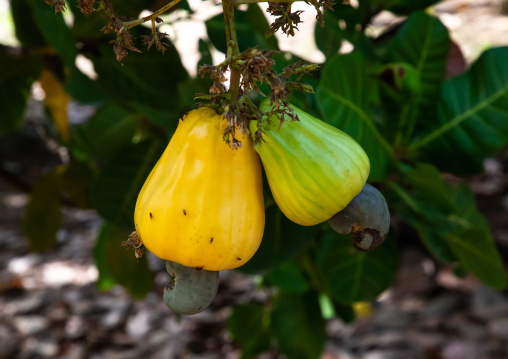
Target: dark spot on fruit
239,258
184,212
211,239
199,268
151,215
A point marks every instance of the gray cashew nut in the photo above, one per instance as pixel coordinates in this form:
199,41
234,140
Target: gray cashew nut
367,216
191,289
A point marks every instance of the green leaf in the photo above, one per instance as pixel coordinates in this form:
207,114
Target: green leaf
328,38
473,244
118,264
351,275
106,132
17,74
81,88
298,325
249,326
404,7
472,117
250,28
77,179
132,8
149,79
43,213
344,97
116,189
344,312
288,277
54,30
449,223
282,240
24,24
206,54
423,43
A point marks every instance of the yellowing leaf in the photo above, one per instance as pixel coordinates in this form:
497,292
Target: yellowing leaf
56,100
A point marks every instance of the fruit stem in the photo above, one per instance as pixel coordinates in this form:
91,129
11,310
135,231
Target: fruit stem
228,7
151,17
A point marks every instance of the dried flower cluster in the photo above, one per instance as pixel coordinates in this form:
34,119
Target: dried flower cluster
288,21
135,242
86,6
124,40
255,67
59,5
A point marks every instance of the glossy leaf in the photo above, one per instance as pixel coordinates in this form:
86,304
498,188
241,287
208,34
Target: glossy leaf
282,240
329,37
107,131
423,44
249,326
403,7
288,277
149,79
116,189
24,24
17,74
351,275
77,178
118,264
344,98
54,30
298,325
472,117
449,223
43,213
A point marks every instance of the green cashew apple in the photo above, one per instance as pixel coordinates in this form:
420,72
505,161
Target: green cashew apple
314,169
191,290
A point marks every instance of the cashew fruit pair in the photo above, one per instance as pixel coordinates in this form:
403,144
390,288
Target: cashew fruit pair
202,210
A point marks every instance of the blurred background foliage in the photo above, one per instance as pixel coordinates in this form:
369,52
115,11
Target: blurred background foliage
406,95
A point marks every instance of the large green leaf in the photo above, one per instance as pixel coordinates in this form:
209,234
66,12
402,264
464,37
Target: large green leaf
298,325
249,326
54,30
473,244
24,24
288,277
329,38
17,73
472,121
344,97
108,130
423,43
449,223
404,7
282,240
116,189
351,275
118,264
43,214
149,79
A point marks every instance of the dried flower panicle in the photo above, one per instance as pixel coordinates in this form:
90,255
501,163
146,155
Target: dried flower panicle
86,6
135,242
256,67
287,20
157,40
59,5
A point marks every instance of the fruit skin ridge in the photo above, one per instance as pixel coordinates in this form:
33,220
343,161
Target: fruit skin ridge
314,170
202,205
